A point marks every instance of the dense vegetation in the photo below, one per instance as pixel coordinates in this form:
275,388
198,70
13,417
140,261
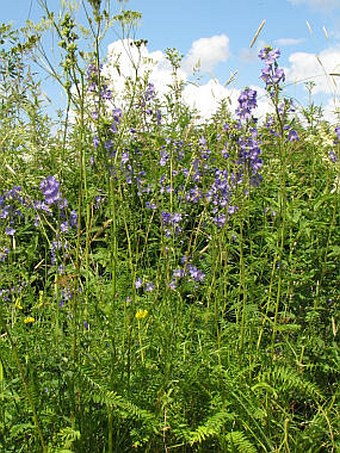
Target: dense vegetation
165,284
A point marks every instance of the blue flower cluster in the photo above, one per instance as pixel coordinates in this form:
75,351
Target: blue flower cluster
247,102
189,185
14,204
188,272
11,204
271,74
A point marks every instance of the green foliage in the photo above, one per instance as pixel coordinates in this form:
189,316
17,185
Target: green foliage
155,294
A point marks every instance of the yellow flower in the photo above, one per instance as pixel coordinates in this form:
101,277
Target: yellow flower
29,320
141,314
18,304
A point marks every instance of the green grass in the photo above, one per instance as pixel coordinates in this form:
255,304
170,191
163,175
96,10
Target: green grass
185,296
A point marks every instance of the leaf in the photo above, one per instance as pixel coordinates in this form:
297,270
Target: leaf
239,440
334,251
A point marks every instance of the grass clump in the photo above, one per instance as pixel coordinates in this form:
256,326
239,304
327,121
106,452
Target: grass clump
165,284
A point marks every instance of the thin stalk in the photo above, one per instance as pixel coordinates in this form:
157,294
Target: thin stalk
25,383
242,292
283,215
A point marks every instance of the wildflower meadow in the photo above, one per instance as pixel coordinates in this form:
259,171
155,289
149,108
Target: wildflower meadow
166,284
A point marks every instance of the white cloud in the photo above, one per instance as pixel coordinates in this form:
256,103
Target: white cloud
126,61
207,98
322,5
206,53
331,111
317,68
288,41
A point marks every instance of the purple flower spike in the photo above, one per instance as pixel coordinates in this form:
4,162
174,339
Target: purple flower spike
269,55
333,157
247,102
50,189
271,74
96,142
293,136
73,219
149,287
10,231
150,92
196,274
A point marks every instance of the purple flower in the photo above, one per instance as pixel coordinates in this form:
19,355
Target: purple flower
93,87
196,274
220,220
64,226
149,287
108,144
117,114
106,93
158,117
202,141
249,153
151,206
50,189
92,70
66,295
96,141
164,158
178,273
113,127
176,217
73,219
138,283
194,195
98,200
247,102
278,76
42,206
173,285
333,157
266,74
150,92
225,153
293,136
171,219
166,218
184,259
269,55
232,209
55,245
125,157
5,212
219,191
63,203
271,74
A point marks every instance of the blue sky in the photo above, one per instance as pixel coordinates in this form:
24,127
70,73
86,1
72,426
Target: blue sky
219,33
